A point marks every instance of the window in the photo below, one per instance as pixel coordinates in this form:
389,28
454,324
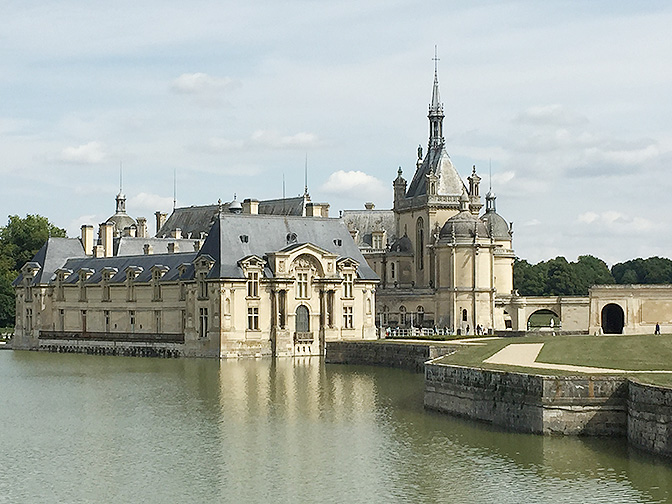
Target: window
402,315
29,319
420,242
377,241
29,291
464,315
253,318
392,270
130,285
347,317
302,319
183,291
131,320
421,315
302,285
157,321
60,289
156,285
106,315
385,315
106,291
83,321
253,284
347,285
330,308
203,323
61,320
202,286
282,308
183,320
82,287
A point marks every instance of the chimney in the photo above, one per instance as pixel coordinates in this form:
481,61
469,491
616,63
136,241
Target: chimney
87,239
325,210
98,251
160,221
173,248
313,210
147,249
107,238
177,234
251,206
369,205
133,231
142,227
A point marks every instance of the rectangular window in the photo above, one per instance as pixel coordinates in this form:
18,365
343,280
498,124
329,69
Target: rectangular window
253,284
302,285
131,320
106,291
282,308
82,291
157,321
202,286
29,293
183,321
61,320
347,317
183,291
60,290
330,308
107,320
377,241
253,319
156,286
392,270
203,325
347,285
29,319
83,321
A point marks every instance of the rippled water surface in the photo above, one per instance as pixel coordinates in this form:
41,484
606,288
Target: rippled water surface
78,428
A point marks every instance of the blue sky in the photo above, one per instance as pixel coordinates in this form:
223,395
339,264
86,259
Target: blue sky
569,101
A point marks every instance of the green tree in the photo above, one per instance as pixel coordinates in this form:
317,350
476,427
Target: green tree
654,270
20,240
591,271
562,280
528,279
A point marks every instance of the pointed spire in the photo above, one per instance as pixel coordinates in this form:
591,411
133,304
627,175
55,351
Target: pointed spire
121,199
435,110
436,97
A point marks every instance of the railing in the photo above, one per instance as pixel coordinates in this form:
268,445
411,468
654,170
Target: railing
118,337
413,332
303,337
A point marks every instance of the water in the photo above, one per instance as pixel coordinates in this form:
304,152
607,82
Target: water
87,429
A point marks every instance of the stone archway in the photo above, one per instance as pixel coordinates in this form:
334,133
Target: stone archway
613,319
543,318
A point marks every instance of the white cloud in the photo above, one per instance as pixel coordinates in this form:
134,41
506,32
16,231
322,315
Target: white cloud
550,115
349,182
197,83
90,153
145,204
503,177
275,140
616,222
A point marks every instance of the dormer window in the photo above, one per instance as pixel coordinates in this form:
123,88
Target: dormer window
131,273
302,285
157,272
253,284
291,238
348,285
244,238
107,274
202,285
84,274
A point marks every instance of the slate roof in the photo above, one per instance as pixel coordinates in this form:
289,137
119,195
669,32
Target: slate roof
436,161
367,221
195,220
52,255
132,245
268,233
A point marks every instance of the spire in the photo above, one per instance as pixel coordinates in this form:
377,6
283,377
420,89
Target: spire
490,197
121,199
435,110
305,187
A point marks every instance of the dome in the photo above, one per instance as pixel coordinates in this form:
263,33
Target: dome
121,221
235,206
464,224
496,225
402,246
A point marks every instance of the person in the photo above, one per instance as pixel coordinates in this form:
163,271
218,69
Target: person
657,328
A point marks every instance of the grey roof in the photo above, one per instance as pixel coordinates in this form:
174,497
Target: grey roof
133,245
266,234
51,257
496,225
121,263
121,221
367,221
464,225
436,161
402,247
195,220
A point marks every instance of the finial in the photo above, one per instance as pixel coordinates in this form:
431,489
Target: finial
399,172
473,170
419,151
219,206
305,187
436,60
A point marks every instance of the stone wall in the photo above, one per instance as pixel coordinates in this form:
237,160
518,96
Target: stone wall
591,405
650,417
411,356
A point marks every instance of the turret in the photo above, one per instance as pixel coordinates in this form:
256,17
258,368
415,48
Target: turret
399,187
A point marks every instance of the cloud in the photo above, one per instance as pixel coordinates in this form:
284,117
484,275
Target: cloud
199,83
148,203
550,115
90,153
615,222
348,182
265,139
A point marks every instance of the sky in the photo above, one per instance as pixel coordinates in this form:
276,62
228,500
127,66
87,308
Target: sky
567,103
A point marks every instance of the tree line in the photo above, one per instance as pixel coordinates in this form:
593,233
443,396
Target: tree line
558,277
20,240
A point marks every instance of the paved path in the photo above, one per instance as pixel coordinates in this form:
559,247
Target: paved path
525,355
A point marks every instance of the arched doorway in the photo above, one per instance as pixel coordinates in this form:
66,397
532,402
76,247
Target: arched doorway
613,319
302,319
543,319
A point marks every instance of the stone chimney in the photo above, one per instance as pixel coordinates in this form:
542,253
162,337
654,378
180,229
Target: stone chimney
173,248
98,251
251,206
317,209
147,249
142,227
177,234
160,220
107,238
87,239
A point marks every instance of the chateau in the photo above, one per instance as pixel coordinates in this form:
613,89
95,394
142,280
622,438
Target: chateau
440,263
251,285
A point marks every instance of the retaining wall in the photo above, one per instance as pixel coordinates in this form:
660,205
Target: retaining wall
411,356
650,417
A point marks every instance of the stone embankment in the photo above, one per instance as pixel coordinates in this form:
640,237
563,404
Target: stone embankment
388,353
596,405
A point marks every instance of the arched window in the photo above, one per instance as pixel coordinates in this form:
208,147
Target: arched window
302,319
421,315
420,241
402,315
464,315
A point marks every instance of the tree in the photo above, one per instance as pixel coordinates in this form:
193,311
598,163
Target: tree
654,270
562,280
528,279
19,242
591,271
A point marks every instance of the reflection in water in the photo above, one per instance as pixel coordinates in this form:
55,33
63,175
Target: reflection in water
79,428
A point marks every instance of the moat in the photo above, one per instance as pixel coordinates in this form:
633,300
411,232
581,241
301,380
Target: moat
79,428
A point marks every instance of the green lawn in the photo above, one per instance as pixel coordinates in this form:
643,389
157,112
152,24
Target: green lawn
631,353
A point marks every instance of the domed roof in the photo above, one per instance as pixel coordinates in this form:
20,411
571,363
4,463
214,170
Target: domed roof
464,224
496,225
235,206
402,246
121,221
